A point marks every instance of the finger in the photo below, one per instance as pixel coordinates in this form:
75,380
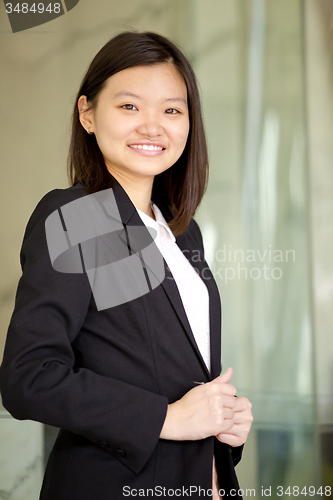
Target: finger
228,413
226,426
242,404
239,430
242,418
228,401
231,439
225,377
227,389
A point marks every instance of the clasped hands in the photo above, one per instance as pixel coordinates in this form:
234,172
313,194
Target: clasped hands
210,409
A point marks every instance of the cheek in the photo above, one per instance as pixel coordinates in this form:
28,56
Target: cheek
182,135
112,126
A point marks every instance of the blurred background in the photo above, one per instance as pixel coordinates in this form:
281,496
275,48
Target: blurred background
265,71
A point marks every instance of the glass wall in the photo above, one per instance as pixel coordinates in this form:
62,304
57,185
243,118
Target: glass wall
267,222
255,225
318,18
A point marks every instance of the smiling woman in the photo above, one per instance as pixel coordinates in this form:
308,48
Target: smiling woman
184,182
116,337
130,131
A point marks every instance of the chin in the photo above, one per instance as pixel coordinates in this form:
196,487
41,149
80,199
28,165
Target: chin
148,172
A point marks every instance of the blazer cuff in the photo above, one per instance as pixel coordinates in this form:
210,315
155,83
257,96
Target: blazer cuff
135,450
236,453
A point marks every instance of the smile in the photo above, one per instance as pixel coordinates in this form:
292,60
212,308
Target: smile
146,147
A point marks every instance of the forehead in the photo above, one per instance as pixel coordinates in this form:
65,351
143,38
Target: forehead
161,79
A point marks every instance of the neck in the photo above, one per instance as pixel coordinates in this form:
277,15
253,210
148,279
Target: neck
138,190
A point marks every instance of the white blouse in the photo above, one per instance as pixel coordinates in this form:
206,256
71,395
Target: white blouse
191,287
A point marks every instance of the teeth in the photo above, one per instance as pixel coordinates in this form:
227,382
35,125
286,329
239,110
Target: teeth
147,147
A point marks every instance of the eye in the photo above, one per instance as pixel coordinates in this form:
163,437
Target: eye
172,111
129,106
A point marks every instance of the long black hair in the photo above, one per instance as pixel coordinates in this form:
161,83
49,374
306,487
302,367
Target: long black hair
182,186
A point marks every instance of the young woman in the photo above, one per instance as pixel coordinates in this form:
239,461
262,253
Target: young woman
116,333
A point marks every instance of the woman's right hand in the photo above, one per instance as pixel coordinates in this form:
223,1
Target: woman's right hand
204,411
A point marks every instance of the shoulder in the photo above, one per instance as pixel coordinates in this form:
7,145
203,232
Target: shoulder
52,201
57,197
194,228
193,232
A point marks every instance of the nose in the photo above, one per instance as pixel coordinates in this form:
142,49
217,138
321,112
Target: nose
150,126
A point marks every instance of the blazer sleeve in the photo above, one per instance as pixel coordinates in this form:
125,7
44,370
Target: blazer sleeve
236,451
38,378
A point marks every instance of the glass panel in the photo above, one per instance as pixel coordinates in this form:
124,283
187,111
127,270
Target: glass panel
21,458
319,82
255,224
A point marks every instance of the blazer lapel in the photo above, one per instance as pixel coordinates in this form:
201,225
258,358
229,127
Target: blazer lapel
130,217
201,267
170,288
173,295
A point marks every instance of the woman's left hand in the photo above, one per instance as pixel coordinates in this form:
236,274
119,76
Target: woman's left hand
243,418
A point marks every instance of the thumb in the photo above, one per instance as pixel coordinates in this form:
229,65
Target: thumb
226,376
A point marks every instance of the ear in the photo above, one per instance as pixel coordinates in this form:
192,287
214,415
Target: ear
85,114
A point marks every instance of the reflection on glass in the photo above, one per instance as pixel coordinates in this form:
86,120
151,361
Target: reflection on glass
255,227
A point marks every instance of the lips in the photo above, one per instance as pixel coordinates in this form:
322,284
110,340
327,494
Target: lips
147,146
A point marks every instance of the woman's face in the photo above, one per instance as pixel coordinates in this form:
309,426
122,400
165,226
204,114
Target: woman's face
141,121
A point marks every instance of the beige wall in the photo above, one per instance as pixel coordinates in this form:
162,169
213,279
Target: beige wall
41,69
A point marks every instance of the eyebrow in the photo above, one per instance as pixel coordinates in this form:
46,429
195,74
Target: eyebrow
130,94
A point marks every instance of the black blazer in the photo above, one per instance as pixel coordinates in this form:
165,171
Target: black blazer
105,377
